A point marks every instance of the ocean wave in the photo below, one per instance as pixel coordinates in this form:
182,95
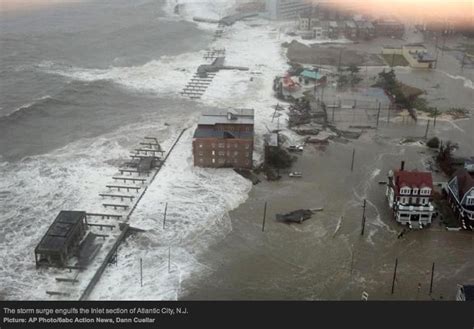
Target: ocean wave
27,107
168,75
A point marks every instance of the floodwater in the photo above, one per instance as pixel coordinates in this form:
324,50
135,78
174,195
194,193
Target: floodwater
326,257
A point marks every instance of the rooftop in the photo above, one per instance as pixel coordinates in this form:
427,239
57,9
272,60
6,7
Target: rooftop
60,230
202,132
465,181
234,116
412,179
311,74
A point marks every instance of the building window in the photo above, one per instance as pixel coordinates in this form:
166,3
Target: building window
236,153
222,153
201,153
221,160
213,145
235,145
200,145
405,190
221,145
247,146
248,154
213,160
470,201
415,191
201,160
425,191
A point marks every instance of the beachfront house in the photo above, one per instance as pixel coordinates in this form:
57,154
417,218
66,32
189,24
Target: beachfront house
460,191
409,195
312,76
224,139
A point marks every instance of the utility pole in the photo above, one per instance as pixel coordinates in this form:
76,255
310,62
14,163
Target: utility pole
427,128
141,273
353,156
169,259
333,108
164,216
378,114
264,216
388,114
432,276
462,63
339,63
352,258
363,218
394,275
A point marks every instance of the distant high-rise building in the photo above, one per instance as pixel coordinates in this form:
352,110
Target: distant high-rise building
287,9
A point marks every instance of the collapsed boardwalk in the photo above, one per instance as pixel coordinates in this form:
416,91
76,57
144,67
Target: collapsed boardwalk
66,287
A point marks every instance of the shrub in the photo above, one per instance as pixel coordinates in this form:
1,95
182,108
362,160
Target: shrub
433,143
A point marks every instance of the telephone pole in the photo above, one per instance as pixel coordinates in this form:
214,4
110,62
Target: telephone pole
394,275
427,129
363,218
264,216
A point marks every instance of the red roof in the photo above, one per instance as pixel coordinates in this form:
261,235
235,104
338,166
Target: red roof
412,179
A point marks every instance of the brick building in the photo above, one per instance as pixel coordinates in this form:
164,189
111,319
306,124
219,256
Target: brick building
224,139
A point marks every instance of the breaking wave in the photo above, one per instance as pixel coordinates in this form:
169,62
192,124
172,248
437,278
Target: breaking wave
27,107
167,75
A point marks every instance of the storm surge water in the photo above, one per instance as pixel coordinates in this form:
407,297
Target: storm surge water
80,85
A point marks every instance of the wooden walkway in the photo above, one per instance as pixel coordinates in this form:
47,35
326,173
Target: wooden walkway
125,229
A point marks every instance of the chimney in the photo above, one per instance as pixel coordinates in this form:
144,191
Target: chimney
402,167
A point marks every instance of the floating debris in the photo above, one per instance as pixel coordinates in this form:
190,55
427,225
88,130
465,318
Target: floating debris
297,216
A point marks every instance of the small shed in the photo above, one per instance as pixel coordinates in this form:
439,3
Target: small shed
62,239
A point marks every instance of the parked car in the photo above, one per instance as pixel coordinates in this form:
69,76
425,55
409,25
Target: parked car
295,174
295,148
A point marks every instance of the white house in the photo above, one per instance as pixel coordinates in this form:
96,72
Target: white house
409,194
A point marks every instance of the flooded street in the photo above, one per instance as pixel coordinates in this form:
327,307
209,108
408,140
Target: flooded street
326,257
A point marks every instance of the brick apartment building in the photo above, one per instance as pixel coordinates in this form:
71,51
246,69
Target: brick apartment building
224,139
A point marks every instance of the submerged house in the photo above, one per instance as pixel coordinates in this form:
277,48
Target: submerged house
409,194
460,190
62,239
225,139
313,76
